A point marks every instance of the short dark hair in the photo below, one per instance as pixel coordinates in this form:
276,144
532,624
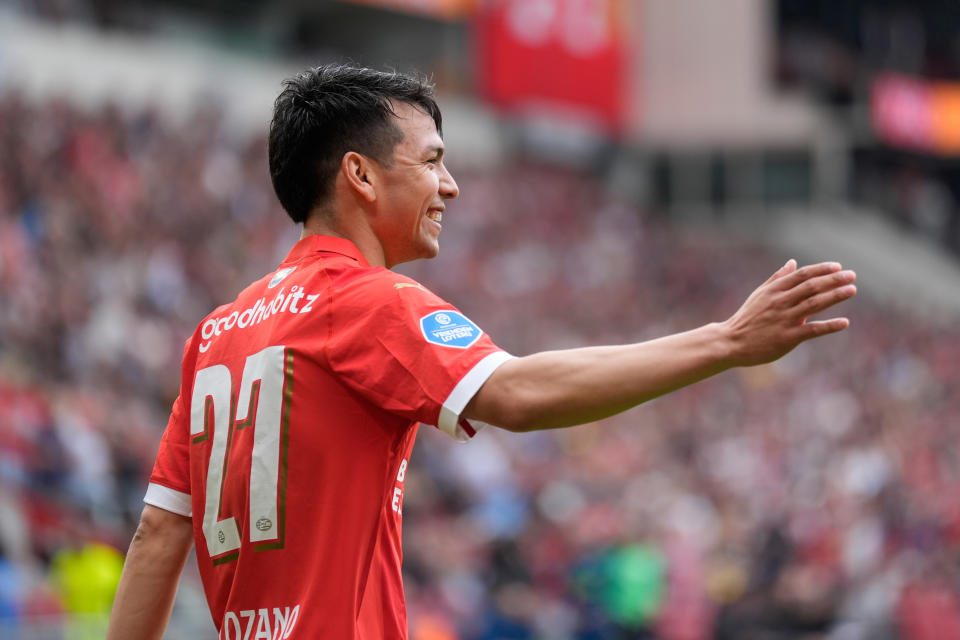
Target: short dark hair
327,111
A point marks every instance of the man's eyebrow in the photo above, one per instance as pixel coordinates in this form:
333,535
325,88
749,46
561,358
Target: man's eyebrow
435,151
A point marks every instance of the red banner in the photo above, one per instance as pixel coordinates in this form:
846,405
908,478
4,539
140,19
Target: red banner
564,54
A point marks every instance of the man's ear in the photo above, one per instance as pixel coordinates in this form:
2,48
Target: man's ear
357,170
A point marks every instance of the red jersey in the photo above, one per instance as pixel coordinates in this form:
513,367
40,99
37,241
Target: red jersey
289,442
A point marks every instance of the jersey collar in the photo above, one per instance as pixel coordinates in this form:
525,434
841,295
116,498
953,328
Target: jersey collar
316,243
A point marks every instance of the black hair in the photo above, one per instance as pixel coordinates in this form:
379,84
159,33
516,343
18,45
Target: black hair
327,111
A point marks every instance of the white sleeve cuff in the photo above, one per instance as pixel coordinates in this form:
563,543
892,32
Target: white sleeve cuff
169,499
468,386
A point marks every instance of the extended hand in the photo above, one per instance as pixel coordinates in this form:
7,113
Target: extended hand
773,320
554,389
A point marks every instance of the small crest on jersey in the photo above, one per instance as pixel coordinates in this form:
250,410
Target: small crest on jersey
279,276
264,524
449,329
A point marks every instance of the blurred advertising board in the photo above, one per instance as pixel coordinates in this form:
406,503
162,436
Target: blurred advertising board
915,113
564,55
446,9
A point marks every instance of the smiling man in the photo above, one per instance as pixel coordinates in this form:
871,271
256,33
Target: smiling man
286,451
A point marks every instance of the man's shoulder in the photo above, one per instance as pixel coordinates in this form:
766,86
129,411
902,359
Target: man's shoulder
252,290
377,286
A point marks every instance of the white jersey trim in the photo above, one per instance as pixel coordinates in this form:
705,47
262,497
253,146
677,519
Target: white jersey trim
468,386
169,499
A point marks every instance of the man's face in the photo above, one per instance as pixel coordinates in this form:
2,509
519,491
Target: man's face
412,190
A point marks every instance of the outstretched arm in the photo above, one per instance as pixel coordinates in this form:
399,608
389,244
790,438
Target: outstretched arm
556,389
141,608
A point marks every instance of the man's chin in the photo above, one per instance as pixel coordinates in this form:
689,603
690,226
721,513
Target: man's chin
430,250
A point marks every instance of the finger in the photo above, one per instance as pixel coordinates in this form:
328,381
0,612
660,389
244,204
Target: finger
820,328
822,301
803,274
789,267
817,285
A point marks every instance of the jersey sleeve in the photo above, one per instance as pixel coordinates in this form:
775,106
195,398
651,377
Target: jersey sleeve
169,486
409,352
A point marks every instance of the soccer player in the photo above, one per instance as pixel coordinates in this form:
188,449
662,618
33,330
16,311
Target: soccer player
285,454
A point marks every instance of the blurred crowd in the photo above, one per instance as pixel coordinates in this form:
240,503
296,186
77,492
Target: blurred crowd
817,497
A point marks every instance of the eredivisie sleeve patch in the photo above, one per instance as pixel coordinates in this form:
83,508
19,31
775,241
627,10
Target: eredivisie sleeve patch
449,329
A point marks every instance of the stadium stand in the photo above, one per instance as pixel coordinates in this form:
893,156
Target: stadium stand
815,496
813,493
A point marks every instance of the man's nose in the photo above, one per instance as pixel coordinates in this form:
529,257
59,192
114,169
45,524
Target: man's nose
448,186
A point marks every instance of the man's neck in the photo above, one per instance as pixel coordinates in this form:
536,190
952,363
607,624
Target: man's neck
359,234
